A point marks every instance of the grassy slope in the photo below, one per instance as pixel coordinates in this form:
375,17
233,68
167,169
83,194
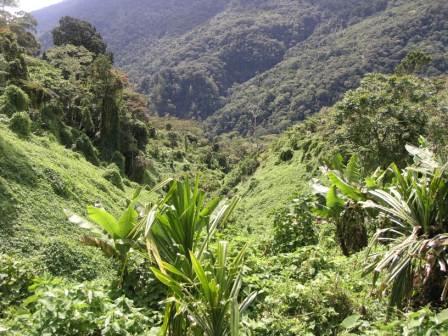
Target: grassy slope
272,186
38,180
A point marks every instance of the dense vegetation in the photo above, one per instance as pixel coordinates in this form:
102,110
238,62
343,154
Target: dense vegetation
115,221
256,66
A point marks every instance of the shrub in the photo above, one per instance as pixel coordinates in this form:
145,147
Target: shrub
59,186
294,227
21,123
66,136
61,308
140,285
112,174
8,205
286,154
120,161
85,146
16,276
14,99
321,305
74,261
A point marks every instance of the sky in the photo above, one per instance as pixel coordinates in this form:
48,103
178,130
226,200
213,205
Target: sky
30,5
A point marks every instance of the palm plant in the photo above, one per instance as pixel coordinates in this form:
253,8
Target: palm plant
182,222
416,202
210,297
178,231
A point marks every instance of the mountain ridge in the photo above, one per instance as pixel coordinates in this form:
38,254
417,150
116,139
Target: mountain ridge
225,64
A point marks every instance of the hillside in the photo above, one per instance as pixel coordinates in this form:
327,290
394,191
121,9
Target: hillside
130,25
185,214
258,66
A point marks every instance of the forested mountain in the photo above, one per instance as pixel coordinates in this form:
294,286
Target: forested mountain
177,210
228,59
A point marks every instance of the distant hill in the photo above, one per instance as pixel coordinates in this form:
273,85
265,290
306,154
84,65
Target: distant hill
256,66
132,23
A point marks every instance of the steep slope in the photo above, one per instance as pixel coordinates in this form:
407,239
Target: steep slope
258,66
190,76
318,71
132,24
38,180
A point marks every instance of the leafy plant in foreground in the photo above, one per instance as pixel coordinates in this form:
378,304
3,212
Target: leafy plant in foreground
115,237
204,290
416,202
210,298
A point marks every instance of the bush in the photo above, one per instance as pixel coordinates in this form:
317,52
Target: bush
16,276
140,285
66,136
87,309
8,205
112,174
294,226
14,99
315,309
120,161
85,146
286,154
21,123
75,261
60,187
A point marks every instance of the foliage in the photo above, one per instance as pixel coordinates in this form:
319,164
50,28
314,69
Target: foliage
21,124
66,259
375,122
344,191
413,62
294,226
60,308
16,275
78,33
316,73
210,298
178,231
414,262
112,174
13,100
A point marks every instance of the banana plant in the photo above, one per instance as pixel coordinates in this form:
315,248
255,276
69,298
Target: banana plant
344,191
115,236
210,297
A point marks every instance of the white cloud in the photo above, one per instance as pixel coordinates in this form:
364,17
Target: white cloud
30,5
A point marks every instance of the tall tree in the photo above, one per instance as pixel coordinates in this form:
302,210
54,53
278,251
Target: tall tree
108,88
79,33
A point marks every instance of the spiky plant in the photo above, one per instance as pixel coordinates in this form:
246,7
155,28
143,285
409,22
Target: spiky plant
210,297
178,231
416,202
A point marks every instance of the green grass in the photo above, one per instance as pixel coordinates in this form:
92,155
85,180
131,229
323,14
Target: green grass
271,188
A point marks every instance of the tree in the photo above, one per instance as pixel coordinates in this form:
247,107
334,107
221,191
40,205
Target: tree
22,24
413,63
108,88
79,33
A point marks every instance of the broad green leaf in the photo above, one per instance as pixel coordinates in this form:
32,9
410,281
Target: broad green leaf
344,187
351,321
442,316
104,219
127,221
